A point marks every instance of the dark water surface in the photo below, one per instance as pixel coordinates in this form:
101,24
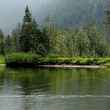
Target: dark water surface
54,89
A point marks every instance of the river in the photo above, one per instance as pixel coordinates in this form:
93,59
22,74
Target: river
54,89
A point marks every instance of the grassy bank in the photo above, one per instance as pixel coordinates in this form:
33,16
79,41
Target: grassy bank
22,59
2,59
32,60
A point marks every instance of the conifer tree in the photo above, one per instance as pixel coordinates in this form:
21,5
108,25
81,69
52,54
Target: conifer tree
1,42
32,39
8,44
26,32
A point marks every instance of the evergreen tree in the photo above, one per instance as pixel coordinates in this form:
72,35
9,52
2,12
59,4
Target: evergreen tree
36,37
15,38
32,39
1,42
44,41
98,42
82,43
71,42
26,32
8,44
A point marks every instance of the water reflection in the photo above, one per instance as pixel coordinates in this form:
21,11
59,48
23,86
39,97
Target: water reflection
54,89
56,81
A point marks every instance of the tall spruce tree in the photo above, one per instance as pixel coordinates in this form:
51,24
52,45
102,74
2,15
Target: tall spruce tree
26,32
1,42
32,39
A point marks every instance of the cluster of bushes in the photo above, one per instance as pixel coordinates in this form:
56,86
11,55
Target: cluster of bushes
24,59
75,61
2,59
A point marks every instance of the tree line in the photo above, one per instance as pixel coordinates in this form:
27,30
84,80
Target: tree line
49,39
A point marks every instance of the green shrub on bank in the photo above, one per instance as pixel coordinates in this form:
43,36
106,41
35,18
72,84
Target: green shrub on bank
21,58
2,60
34,60
74,60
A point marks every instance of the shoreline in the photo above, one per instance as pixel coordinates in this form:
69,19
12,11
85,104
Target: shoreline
34,61
72,66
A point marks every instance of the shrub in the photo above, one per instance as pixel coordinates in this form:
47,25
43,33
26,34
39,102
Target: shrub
29,59
15,59
2,60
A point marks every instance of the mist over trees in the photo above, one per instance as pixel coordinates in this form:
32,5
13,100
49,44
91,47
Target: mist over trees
29,37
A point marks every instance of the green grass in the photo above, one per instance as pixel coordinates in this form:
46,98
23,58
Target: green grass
17,59
24,59
75,60
2,59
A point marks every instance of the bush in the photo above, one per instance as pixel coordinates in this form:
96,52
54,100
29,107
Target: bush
29,59
2,60
23,59
74,60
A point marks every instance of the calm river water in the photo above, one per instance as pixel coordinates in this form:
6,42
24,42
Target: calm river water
54,89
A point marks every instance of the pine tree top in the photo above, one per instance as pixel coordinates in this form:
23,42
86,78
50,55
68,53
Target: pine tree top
27,9
28,15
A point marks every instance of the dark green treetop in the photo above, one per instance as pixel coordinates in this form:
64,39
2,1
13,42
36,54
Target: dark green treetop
28,15
26,32
32,39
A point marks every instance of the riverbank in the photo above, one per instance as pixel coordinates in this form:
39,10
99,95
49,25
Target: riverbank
33,60
72,66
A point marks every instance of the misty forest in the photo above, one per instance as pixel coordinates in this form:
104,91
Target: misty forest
51,43
86,40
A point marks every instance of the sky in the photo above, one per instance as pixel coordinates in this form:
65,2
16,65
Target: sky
12,11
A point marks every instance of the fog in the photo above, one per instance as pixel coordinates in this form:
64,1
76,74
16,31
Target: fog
12,11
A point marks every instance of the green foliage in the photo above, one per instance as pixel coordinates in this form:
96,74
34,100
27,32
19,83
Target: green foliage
75,60
71,43
2,59
15,36
26,32
98,41
32,39
20,58
2,42
8,44
84,41
30,59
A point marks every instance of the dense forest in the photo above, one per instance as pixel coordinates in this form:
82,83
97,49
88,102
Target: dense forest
49,39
